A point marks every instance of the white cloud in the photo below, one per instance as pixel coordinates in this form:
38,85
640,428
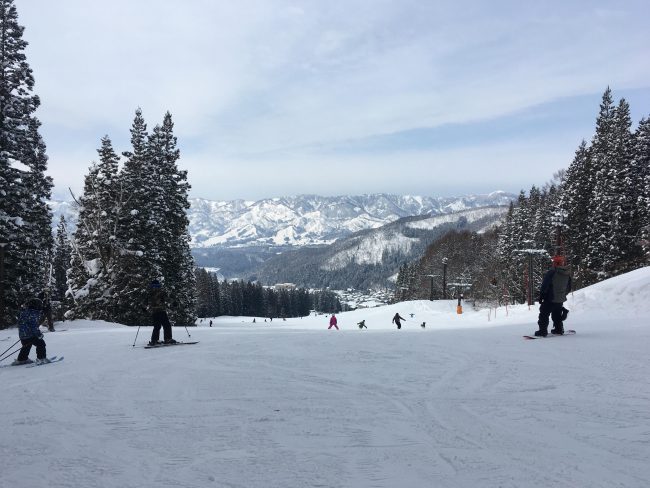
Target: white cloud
254,77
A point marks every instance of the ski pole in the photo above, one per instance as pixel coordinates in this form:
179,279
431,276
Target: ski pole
188,332
8,356
6,350
136,336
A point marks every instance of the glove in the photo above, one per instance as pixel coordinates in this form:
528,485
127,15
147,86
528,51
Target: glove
565,314
541,300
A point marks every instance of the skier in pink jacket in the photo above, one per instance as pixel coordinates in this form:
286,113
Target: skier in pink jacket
333,322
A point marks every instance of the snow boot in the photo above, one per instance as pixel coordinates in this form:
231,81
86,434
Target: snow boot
541,332
557,330
153,343
18,363
43,361
171,341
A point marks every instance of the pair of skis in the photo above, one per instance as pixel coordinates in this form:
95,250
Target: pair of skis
53,359
162,344
566,333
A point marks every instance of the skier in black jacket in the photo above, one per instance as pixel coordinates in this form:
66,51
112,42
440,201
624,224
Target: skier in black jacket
552,294
157,299
397,319
29,333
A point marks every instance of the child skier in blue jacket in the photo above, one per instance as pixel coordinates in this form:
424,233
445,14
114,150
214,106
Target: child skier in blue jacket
30,334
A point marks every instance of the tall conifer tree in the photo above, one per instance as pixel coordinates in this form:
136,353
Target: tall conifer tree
139,260
61,262
25,220
642,166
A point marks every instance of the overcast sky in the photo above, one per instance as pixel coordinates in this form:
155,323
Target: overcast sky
276,97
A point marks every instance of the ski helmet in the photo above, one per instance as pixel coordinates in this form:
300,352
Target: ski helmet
558,260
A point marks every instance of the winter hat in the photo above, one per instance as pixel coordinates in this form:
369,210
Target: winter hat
558,260
154,284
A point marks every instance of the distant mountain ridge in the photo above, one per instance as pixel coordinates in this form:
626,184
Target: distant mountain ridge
370,258
309,220
303,220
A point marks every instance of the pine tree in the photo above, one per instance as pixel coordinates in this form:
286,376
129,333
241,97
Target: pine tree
176,263
604,200
624,251
575,203
96,249
137,231
25,220
642,166
61,261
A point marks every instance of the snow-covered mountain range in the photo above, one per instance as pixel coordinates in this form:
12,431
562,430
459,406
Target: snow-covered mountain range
304,220
314,220
370,258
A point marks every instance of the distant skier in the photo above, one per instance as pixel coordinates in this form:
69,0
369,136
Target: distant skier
552,294
423,325
362,324
157,299
333,322
30,334
397,320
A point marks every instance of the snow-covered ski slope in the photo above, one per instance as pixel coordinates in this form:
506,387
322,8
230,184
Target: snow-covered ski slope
465,402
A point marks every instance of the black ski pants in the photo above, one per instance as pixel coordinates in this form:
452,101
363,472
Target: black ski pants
160,319
554,310
27,346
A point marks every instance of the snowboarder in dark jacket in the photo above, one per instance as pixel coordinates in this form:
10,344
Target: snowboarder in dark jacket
397,319
30,334
552,294
157,299
362,324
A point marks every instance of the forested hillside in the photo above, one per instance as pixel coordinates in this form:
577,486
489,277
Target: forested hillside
596,213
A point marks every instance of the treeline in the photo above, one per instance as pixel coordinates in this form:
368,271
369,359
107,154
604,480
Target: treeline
596,213
239,298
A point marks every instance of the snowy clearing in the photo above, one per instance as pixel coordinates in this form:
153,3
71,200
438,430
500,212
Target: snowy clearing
465,402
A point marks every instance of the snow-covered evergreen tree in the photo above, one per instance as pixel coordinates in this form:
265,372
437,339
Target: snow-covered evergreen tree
604,200
625,251
61,261
96,249
175,260
25,220
137,230
642,165
575,204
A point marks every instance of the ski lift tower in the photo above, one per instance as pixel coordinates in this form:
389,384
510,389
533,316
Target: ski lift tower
432,276
444,278
461,286
530,253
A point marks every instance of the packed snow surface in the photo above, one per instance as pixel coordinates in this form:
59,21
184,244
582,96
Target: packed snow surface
464,402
